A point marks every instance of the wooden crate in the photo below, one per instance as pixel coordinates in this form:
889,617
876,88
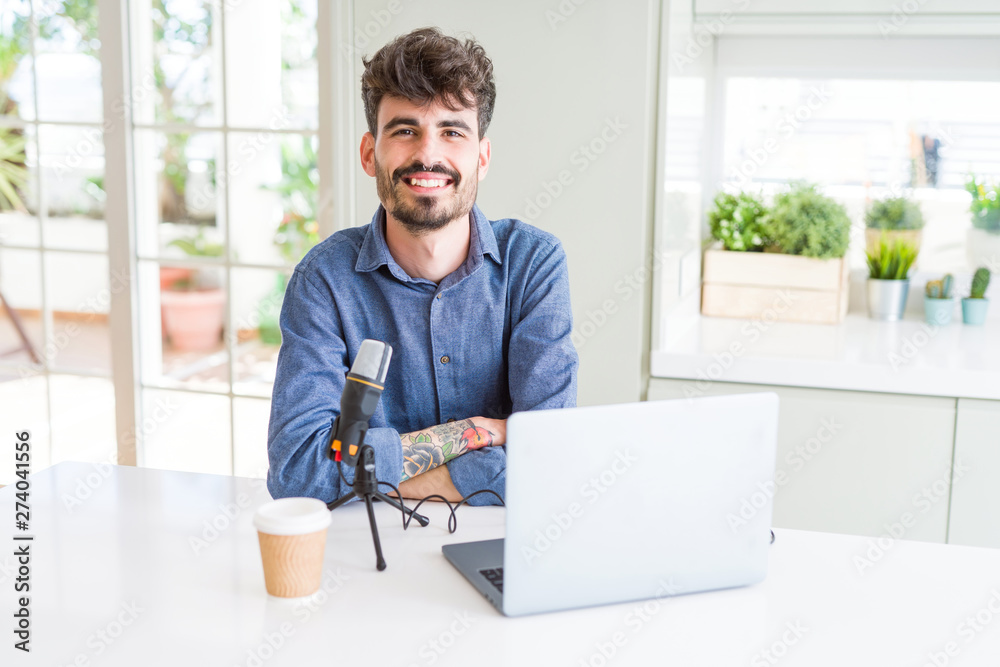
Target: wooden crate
774,287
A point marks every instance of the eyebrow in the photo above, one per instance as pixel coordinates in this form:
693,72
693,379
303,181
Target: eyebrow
407,120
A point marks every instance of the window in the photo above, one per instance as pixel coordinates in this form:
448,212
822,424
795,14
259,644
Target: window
223,100
54,340
225,136
866,118
864,139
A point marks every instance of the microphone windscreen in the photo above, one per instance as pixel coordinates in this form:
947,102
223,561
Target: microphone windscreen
372,361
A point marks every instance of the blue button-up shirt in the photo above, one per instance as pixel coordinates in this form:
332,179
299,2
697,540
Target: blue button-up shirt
491,338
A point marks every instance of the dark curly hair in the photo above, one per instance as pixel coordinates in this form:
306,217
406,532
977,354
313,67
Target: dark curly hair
427,65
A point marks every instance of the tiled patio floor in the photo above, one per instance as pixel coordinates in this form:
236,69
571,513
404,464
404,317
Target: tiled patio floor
183,431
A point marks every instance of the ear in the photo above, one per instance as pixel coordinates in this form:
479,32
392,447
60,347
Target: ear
484,157
368,153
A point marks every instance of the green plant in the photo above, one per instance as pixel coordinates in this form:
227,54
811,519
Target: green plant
298,231
739,221
198,245
13,172
894,213
980,281
891,261
295,236
939,289
985,207
805,222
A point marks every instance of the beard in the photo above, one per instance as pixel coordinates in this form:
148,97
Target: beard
422,215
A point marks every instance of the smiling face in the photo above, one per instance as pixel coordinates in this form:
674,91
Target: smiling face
427,162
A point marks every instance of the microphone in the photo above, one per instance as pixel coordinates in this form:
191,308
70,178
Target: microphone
362,389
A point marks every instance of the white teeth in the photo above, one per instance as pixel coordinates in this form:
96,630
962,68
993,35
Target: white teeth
425,183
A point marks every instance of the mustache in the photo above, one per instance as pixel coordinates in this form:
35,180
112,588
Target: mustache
412,169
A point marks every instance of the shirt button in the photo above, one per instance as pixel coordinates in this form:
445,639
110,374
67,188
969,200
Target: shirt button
438,296
445,359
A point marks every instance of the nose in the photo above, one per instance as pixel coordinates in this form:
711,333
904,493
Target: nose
428,150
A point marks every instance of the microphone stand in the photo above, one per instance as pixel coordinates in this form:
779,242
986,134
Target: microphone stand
365,487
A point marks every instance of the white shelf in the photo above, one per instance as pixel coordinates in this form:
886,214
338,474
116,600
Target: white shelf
907,357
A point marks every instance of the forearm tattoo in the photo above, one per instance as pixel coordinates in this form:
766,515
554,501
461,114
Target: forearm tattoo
435,446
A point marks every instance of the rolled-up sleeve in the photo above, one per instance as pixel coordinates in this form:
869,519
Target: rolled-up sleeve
542,367
312,368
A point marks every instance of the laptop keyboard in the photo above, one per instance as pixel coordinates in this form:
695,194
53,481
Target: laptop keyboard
494,576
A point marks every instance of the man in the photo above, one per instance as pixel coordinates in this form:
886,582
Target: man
477,311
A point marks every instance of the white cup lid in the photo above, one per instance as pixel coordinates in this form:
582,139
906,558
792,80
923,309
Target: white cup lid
292,516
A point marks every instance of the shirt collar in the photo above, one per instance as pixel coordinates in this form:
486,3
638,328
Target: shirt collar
375,253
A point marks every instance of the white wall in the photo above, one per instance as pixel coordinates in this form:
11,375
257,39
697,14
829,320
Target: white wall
564,77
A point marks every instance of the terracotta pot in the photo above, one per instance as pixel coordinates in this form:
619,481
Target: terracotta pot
911,236
169,275
193,320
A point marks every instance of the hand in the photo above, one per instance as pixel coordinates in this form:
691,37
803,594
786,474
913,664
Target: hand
489,432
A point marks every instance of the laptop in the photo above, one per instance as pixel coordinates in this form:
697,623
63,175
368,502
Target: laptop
616,503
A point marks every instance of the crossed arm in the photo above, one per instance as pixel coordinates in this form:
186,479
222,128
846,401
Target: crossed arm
426,451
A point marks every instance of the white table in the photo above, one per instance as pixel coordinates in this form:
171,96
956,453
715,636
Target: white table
118,578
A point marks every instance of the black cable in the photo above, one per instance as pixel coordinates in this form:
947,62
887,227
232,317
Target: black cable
452,518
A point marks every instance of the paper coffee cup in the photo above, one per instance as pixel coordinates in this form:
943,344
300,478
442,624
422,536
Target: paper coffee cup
292,534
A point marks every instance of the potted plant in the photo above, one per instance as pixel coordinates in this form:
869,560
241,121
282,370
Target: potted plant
983,239
193,308
801,275
938,302
974,306
805,222
888,279
739,222
896,218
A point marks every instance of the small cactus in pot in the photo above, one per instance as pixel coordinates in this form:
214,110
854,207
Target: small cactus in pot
938,301
975,305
